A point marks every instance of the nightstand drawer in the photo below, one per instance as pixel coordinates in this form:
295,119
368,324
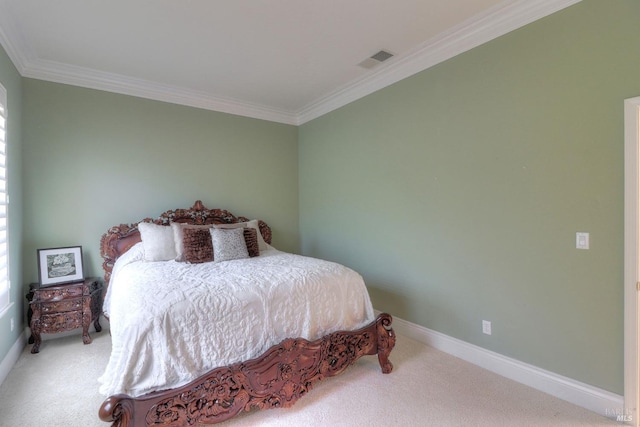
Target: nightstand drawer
52,323
58,293
61,306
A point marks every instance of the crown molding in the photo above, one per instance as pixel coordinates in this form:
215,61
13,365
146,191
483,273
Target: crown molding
110,82
495,22
28,65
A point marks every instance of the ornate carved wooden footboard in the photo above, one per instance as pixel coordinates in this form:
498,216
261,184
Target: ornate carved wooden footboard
277,379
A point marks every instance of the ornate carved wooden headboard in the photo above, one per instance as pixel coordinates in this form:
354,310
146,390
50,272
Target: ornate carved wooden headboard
121,237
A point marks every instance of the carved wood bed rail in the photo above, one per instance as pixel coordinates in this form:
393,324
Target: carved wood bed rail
276,379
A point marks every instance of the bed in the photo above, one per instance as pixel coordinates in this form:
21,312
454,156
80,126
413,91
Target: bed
254,332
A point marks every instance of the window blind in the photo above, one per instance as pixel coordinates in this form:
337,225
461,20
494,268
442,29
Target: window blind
4,241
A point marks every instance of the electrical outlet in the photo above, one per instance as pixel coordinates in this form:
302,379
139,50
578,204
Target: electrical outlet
12,324
486,327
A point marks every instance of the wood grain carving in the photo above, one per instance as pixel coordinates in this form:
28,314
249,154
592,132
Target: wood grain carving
62,308
277,379
120,238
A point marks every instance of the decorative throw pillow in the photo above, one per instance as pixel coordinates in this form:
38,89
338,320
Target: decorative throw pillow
262,245
157,241
197,246
228,244
251,240
177,228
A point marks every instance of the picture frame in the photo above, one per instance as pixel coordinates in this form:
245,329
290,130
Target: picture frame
60,265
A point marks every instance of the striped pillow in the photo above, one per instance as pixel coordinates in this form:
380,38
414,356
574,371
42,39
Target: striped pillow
251,239
197,245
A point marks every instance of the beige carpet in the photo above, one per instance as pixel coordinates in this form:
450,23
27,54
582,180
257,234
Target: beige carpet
58,387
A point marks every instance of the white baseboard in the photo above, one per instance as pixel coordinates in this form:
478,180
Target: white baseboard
14,353
592,398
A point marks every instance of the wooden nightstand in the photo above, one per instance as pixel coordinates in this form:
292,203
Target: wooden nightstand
64,307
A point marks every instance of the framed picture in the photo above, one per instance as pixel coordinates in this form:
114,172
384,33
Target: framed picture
60,265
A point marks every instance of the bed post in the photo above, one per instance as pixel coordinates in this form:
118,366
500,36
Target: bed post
386,341
117,409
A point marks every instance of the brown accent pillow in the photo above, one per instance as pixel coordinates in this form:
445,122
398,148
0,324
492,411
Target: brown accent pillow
251,239
177,236
197,245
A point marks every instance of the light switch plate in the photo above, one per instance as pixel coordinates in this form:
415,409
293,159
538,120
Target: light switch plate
582,240
486,327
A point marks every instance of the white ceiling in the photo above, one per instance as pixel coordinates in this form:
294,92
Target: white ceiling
287,61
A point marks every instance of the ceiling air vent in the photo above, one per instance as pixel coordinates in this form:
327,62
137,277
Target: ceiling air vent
376,59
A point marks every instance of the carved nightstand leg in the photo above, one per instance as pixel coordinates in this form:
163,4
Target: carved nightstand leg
30,312
86,322
86,338
35,333
96,324
96,304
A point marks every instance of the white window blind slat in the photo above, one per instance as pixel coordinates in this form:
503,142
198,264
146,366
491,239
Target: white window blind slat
4,241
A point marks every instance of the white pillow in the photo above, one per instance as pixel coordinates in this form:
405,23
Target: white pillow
262,245
228,244
157,241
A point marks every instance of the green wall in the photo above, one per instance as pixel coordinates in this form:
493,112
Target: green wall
457,192
94,159
12,82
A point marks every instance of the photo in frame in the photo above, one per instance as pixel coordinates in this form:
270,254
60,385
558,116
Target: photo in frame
60,265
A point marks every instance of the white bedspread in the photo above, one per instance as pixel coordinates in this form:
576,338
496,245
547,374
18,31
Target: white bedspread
172,322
